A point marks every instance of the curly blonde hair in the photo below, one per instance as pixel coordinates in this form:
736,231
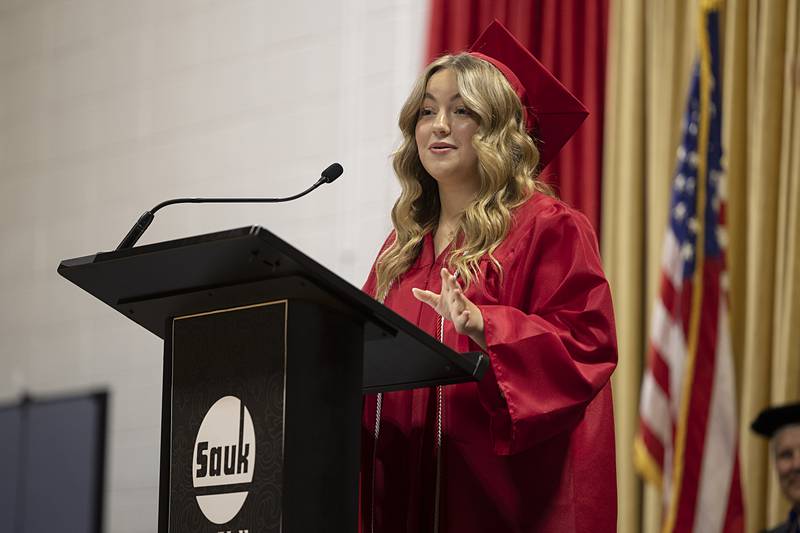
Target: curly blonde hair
507,161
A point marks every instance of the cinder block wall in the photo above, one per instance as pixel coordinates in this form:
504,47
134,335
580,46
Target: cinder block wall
109,106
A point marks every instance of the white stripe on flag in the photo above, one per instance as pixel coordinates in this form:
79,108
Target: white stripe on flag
667,338
720,443
654,409
671,261
666,490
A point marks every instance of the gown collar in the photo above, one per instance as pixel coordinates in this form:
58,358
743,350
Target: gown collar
427,255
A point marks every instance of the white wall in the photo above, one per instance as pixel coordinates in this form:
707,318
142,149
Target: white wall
109,106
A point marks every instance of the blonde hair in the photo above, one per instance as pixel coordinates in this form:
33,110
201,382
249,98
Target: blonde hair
507,160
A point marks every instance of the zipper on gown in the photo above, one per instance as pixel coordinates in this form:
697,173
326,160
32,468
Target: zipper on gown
377,430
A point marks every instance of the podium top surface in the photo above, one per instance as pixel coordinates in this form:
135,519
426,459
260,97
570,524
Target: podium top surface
151,284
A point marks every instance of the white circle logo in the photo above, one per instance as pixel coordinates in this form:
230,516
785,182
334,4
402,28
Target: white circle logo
224,454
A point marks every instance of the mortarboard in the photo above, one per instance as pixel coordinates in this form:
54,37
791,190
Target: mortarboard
771,419
552,113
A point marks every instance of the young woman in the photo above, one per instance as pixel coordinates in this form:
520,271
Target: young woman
483,257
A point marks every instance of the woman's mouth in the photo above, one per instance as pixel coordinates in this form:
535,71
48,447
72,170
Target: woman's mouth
441,148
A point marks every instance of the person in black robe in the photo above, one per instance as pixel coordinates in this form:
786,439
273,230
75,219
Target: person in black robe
781,425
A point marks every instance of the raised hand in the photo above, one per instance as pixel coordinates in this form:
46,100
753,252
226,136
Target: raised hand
452,305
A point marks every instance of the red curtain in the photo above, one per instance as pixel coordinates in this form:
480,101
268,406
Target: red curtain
569,37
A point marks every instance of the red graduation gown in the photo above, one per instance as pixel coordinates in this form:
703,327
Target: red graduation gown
531,447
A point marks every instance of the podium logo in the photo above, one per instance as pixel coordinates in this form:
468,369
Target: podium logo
224,459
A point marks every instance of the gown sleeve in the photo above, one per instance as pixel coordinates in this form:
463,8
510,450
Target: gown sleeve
550,337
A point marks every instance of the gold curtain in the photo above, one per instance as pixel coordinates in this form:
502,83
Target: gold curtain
651,50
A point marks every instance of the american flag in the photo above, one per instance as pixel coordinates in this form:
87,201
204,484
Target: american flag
687,441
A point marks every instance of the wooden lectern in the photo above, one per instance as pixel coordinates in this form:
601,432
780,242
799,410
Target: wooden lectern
266,356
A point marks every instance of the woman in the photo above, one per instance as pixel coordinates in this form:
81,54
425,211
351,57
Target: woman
484,258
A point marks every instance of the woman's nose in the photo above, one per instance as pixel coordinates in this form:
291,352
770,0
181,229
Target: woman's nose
441,123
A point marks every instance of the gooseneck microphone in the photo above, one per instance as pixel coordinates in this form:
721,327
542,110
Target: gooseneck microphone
328,176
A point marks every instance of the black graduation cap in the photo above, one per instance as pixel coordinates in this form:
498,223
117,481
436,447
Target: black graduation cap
771,419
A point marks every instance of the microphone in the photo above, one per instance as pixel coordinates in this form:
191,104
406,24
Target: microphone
328,176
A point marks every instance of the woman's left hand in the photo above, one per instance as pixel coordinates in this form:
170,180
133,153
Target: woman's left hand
452,305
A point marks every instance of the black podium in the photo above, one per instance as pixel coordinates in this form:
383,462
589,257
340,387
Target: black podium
266,355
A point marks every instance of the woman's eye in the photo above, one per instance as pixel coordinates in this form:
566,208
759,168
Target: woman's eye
462,111
425,111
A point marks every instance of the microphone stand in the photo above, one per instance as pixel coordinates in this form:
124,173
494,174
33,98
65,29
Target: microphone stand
328,175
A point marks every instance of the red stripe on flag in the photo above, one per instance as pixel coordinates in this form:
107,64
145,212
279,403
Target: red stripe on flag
669,298
700,398
654,446
684,314
660,370
734,515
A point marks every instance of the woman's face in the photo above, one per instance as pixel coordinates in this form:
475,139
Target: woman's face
444,132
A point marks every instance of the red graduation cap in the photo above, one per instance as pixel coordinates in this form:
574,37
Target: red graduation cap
552,113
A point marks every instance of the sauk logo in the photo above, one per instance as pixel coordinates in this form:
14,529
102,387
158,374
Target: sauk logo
224,458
